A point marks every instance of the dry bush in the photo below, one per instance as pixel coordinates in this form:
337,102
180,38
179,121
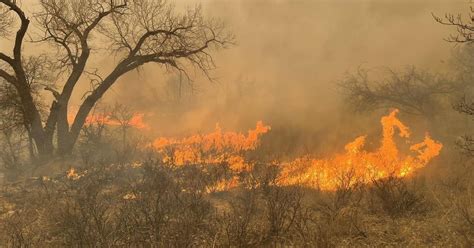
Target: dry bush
162,211
455,195
309,231
83,212
18,230
348,193
93,145
261,214
282,207
264,214
21,209
104,144
112,206
155,205
338,212
261,175
241,223
203,178
397,197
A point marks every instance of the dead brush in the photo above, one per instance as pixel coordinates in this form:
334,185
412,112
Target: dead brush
260,176
265,214
456,199
309,231
22,214
241,224
339,211
397,197
282,206
81,209
163,209
18,230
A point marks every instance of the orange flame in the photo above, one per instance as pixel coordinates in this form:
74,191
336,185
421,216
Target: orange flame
359,166
214,148
355,165
72,174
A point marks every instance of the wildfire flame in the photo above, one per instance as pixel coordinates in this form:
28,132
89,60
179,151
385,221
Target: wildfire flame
355,165
72,174
360,166
214,148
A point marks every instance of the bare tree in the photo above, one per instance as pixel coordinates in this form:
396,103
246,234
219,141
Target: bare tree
138,32
464,26
11,109
464,35
410,90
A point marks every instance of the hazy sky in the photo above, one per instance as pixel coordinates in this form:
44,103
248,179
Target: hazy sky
288,57
290,54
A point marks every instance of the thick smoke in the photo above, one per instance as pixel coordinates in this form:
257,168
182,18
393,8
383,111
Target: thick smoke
284,67
288,58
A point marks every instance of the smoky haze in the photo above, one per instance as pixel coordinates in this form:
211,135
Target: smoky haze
287,59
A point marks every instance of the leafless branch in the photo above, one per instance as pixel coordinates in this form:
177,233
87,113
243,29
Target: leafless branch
410,90
137,32
464,28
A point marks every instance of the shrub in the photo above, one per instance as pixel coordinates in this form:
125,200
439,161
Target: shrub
395,197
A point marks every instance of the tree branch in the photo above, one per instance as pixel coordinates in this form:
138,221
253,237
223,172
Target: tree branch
55,92
9,78
7,59
21,31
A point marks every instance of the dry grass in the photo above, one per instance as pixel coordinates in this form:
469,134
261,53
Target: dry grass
159,206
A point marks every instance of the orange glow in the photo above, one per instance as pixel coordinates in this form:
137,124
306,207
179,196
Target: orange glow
355,165
135,121
72,174
360,166
214,148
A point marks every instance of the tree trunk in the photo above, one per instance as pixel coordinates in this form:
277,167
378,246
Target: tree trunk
65,141
43,140
31,146
67,135
66,144
44,145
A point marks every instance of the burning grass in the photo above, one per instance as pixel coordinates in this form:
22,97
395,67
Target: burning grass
356,164
214,148
203,191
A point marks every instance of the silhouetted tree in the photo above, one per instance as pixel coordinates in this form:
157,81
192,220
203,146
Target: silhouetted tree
464,35
135,32
410,90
